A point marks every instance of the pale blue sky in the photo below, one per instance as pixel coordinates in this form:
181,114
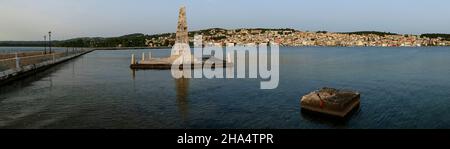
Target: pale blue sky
31,19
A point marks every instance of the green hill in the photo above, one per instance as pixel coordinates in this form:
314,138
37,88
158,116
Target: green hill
370,32
434,35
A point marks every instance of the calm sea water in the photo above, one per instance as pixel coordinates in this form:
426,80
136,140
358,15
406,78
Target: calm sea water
401,88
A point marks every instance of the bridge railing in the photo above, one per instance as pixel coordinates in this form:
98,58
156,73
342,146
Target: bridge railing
20,60
19,54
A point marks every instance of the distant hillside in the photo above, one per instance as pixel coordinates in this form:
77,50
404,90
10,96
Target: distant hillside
131,40
434,35
371,32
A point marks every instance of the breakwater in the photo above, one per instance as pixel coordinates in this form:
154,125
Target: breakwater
14,66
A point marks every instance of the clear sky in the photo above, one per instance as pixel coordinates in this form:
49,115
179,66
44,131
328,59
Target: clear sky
31,19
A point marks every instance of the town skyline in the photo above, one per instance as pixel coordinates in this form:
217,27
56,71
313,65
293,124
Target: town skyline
102,19
224,37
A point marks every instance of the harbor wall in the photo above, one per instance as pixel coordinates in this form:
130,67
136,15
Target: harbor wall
13,69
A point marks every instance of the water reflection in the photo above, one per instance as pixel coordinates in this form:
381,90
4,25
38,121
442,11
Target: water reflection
133,79
182,89
45,75
331,121
133,74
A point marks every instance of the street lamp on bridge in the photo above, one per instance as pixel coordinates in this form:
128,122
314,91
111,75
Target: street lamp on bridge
50,41
45,44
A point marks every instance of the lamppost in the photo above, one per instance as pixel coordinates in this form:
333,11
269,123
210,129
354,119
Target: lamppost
50,41
45,44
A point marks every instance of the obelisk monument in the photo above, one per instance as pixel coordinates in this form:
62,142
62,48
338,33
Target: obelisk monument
181,46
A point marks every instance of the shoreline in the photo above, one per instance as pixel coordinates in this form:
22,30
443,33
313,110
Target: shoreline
127,48
165,47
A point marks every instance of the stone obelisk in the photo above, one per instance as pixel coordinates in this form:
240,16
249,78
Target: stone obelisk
181,46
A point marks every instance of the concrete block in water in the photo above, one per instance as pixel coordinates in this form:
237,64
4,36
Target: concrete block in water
331,101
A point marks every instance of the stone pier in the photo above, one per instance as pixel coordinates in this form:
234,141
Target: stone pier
180,50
